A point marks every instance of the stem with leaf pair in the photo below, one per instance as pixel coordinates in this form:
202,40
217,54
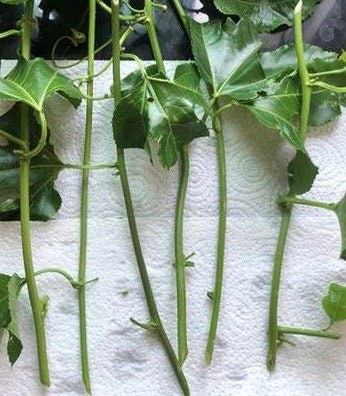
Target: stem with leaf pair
275,332
37,304
155,324
84,201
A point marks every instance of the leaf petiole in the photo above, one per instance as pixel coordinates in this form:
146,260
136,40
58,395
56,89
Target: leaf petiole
13,139
308,332
10,33
307,202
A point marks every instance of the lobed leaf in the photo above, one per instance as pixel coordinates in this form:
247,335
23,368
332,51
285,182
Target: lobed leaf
33,81
277,109
9,289
160,110
187,76
227,58
334,303
325,105
301,174
267,15
45,201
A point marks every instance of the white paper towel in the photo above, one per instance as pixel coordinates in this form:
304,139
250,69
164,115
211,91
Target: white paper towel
126,360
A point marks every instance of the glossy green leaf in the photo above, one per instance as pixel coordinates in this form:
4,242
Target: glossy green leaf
283,60
9,289
340,211
277,109
187,76
136,78
227,58
34,81
45,201
325,105
334,303
301,174
267,15
162,111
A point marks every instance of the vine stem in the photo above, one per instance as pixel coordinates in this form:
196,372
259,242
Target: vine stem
85,201
37,304
180,256
179,215
221,239
153,311
182,15
273,328
148,10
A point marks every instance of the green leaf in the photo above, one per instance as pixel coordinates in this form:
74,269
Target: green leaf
283,60
325,105
267,15
301,174
162,111
136,78
187,76
340,210
9,289
45,167
34,81
277,109
334,303
227,58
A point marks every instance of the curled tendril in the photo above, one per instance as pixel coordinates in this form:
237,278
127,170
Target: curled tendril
135,10
76,39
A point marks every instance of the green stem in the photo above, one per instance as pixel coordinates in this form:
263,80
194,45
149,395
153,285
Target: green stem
57,271
303,71
273,330
182,15
306,202
10,33
43,138
179,218
35,301
148,10
74,283
77,167
308,332
153,312
328,87
180,257
37,305
13,139
221,239
328,72
85,200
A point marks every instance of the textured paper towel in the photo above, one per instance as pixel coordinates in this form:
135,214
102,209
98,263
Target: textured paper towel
123,358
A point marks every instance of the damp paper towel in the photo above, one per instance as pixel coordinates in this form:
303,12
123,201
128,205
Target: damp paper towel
125,359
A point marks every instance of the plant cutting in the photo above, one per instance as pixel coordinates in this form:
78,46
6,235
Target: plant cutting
316,95
170,112
29,83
